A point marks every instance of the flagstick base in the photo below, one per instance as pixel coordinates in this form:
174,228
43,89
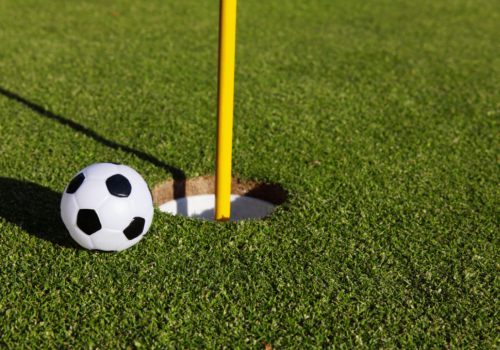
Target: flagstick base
203,207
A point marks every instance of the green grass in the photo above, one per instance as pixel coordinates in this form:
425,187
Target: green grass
392,241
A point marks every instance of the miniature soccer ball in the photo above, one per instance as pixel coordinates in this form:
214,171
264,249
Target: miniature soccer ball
107,207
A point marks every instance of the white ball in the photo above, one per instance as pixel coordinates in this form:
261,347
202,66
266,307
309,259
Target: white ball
107,207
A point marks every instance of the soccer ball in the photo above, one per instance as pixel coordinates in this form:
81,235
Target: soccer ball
107,207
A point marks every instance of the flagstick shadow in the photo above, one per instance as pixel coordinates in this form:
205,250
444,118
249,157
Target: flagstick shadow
177,174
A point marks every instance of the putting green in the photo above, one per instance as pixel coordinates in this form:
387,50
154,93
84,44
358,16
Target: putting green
380,120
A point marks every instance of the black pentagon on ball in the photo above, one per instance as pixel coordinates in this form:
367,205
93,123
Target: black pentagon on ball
88,221
135,228
75,183
119,186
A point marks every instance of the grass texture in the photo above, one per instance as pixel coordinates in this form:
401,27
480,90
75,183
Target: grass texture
380,119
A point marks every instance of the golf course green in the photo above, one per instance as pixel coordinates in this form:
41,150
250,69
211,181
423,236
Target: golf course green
379,120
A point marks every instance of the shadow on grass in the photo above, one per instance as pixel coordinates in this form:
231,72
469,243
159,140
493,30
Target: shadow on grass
177,174
36,209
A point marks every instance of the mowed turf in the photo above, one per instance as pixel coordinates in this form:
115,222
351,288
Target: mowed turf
380,119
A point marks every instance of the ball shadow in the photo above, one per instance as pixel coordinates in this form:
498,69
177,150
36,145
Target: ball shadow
36,209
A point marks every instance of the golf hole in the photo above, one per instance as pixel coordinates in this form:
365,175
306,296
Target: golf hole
195,198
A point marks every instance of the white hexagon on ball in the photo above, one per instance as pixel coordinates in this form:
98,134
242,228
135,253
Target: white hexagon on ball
116,213
107,207
91,194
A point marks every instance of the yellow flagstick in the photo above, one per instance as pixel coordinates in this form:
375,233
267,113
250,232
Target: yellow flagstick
227,42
